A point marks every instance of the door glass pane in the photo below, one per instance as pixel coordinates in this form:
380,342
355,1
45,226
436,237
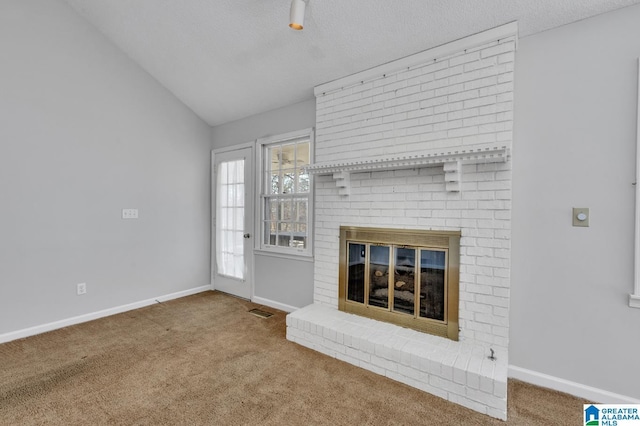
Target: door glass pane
355,273
239,195
432,277
230,219
379,276
404,281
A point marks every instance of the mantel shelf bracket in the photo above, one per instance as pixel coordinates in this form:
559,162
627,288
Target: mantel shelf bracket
343,182
451,162
452,173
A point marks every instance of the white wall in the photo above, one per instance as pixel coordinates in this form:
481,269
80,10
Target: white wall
284,281
84,132
282,120
574,146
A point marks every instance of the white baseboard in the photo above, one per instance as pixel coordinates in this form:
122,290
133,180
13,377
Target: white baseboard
32,331
273,304
576,389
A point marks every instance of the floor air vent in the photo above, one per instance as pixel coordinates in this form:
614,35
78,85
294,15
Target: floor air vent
259,313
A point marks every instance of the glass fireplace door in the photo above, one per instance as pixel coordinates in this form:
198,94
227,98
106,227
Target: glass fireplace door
399,279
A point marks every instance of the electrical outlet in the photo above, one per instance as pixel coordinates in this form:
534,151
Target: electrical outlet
81,288
129,213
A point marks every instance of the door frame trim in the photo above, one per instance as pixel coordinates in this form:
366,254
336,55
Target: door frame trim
212,245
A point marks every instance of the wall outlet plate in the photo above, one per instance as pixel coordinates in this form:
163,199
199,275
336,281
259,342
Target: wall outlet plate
129,213
580,216
81,288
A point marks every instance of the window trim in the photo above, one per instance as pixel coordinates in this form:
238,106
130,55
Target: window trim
259,246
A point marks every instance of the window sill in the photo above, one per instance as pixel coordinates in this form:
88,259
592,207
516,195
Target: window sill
284,255
634,301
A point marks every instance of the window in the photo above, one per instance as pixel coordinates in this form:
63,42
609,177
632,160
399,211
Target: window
286,193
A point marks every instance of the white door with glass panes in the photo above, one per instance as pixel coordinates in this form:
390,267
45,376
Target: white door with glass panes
233,221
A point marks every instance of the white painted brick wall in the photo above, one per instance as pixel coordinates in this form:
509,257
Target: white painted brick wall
398,199
462,101
458,102
444,103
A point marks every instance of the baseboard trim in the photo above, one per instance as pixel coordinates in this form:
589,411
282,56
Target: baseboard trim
273,304
32,331
572,388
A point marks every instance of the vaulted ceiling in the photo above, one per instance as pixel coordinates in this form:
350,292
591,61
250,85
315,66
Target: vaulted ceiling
229,59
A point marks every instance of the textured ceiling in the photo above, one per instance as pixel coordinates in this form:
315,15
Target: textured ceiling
229,59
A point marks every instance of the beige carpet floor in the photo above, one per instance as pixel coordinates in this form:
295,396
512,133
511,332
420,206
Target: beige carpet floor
204,360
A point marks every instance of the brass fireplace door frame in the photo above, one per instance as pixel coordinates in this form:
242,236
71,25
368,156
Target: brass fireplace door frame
420,239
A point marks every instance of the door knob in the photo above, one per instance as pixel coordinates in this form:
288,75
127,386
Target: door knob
247,235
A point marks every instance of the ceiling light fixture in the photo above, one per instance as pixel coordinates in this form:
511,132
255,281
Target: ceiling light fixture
296,16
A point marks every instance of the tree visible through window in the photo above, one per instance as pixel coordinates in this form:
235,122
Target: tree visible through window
286,195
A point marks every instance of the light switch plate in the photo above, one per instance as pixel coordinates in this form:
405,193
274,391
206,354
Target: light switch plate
578,213
129,213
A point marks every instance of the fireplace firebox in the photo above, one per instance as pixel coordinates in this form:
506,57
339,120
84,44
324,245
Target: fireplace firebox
406,277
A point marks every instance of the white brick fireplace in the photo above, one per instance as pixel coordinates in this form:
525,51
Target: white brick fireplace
421,143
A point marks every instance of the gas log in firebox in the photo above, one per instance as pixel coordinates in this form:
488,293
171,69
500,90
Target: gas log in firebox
405,277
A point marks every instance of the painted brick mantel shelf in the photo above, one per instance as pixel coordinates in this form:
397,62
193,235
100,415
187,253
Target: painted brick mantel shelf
451,161
422,143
